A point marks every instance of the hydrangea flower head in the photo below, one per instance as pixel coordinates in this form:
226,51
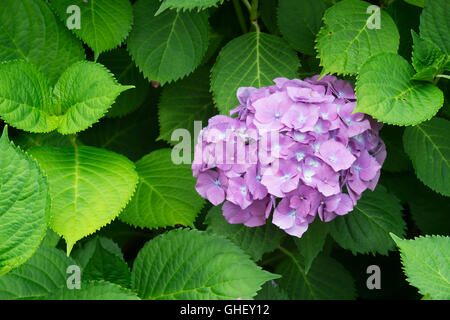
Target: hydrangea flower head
291,153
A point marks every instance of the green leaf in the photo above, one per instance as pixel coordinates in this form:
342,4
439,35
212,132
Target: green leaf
193,265
94,290
184,102
165,195
121,65
253,59
426,74
425,53
254,241
30,31
43,273
428,146
419,3
392,97
346,41
104,24
271,291
366,229
425,262
88,186
82,95
24,205
312,242
327,279
187,4
102,259
31,107
435,23
427,58
299,22
168,46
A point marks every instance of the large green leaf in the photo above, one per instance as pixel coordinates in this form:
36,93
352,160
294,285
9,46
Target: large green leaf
346,41
187,4
94,290
435,23
88,186
254,241
392,97
327,279
82,95
253,59
427,58
425,262
168,46
31,107
102,259
428,146
366,229
426,53
193,265
121,65
184,102
42,274
30,31
24,205
299,22
104,24
165,195
311,243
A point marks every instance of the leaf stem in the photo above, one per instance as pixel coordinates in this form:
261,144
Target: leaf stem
240,15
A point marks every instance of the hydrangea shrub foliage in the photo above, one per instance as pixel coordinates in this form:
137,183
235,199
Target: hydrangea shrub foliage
224,149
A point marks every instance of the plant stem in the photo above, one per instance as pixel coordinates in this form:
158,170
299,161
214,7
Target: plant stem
254,15
254,10
443,76
240,15
247,4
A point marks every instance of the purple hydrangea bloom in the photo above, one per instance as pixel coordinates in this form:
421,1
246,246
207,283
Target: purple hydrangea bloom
294,151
